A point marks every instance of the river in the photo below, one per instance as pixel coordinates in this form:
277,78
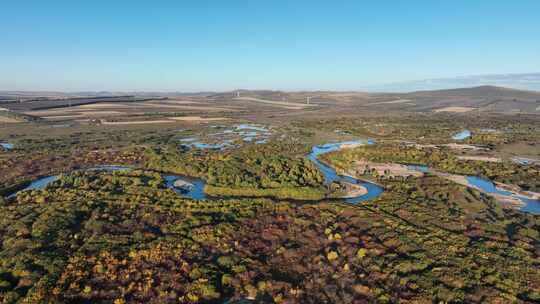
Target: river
485,186
196,192
330,174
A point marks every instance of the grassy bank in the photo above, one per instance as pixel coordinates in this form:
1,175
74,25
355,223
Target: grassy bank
299,193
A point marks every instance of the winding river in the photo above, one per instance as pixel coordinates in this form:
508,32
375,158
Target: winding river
196,189
43,182
330,174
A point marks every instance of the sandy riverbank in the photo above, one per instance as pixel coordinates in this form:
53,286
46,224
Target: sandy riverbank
182,184
517,190
389,169
354,190
508,201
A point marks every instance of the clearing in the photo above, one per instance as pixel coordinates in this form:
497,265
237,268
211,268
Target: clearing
455,109
4,119
136,122
165,120
388,169
197,118
282,104
480,158
397,101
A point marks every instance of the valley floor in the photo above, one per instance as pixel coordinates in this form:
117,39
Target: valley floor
272,220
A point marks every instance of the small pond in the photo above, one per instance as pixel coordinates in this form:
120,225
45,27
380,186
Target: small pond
6,146
226,138
524,161
251,127
420,168
462,135
203,146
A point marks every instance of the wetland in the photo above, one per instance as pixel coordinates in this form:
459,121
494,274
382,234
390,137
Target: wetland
285,212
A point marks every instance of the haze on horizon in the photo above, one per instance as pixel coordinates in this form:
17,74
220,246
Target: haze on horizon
305,45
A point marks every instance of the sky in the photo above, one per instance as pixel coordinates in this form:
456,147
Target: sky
279,44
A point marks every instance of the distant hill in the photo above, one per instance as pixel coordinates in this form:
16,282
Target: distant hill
481,91
50,94
484,98
523,81
480,98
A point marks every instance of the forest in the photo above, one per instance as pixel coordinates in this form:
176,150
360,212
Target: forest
124,238
258,171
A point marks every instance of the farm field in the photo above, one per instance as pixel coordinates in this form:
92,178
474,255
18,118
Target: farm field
272,105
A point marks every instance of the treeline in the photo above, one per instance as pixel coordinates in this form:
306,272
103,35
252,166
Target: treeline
296,193
419,128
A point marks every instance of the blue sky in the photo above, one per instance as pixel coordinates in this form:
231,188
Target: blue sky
291,45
